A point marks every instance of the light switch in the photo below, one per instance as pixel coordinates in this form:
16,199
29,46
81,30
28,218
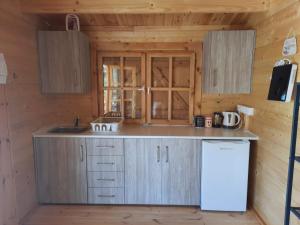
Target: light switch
3,69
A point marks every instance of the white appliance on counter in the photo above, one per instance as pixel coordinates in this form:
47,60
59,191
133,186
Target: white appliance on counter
224,175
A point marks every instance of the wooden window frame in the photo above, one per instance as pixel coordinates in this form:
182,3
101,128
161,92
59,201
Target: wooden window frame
122,88
146,80
170,88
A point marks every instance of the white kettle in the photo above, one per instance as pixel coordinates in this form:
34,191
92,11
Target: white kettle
231,119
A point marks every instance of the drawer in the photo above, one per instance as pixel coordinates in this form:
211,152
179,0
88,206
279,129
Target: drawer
100,146
106,196
105,163
106,179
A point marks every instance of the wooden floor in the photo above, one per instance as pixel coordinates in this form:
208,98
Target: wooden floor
134,215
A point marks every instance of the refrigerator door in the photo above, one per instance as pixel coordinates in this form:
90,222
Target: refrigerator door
224,175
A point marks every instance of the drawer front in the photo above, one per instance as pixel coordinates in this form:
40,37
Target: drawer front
100,146
106,179
105,163
106,196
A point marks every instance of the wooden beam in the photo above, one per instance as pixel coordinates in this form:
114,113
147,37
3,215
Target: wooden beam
142,6
153,33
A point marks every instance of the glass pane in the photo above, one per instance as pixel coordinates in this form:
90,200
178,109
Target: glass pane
111,72
112,101
132,105
181,72
159,105
132,72
180,105
160,72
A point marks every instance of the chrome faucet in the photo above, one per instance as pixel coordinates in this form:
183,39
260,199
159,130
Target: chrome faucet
76,121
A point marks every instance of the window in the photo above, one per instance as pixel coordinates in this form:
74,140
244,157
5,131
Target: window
162,95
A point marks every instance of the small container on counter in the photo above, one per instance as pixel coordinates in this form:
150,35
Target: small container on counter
199,121
208,121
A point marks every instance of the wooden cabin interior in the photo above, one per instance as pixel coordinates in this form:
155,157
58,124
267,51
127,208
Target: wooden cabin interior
157,65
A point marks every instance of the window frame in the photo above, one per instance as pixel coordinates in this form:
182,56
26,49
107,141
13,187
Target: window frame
145,89
122,88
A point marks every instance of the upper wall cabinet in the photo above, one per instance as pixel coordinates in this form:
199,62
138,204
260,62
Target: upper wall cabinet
64,62
227,61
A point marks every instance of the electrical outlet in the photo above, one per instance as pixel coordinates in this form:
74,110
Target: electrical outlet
248,111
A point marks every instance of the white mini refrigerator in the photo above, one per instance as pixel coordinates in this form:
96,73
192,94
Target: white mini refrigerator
224,175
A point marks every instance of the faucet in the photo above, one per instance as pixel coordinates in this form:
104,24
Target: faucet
76,121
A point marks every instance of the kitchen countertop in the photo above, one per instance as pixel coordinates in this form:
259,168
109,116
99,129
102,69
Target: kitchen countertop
138,131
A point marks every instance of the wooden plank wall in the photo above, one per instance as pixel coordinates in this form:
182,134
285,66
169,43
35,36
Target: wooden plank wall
23,109
272,120
206,104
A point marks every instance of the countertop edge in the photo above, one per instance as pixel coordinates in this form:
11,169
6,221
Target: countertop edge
136,132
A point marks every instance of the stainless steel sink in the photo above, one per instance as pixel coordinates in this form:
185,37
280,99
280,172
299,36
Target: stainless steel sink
68,129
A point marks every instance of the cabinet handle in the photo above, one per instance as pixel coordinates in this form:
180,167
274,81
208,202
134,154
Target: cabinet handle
106,146
106,196
81,153
158,154
100,179
105,163
224,148
167,151
215,78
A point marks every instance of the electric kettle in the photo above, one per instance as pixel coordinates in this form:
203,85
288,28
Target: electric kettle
231,119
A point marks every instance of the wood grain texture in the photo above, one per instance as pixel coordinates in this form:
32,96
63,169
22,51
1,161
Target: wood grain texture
272,120
106,179
100,146
64,62
105,163
154,33
181,172
227,61
118,215
61,170
162,171
142,171
106,196
206,103
26,110
140,7
91,21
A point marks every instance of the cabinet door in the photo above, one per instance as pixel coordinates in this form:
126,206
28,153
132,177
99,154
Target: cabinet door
142,171
61,170
181,172
227,61
64,62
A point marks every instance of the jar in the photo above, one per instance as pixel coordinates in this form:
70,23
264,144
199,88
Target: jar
208,121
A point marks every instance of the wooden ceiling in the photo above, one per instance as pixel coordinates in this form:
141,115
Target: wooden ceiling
185,19
143,6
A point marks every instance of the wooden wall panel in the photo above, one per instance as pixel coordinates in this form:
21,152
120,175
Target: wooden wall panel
206,107
140,7
152,33
272,120
23,110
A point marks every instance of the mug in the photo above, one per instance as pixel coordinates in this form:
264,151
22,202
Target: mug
208,121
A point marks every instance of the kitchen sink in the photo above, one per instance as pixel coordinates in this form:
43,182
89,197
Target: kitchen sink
68,129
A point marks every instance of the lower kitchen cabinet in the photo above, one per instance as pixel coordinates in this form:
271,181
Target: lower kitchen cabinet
105,167
181,172
142,171
61,170
118,171
106,196
162,171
